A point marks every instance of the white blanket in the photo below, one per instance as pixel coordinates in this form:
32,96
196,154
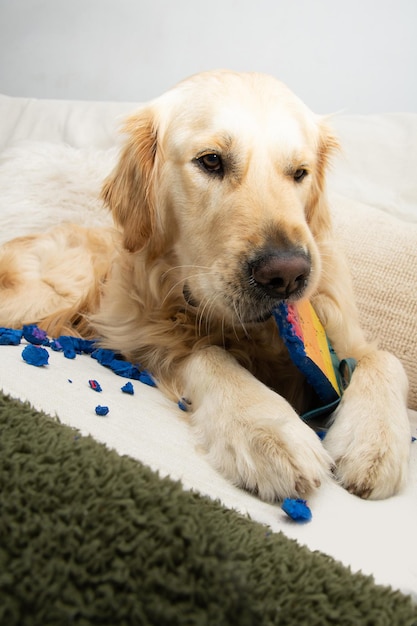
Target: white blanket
374,537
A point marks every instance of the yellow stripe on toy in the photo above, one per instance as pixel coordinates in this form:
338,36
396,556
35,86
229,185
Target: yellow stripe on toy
309,348
315,340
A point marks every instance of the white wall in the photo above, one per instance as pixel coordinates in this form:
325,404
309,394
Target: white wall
355,55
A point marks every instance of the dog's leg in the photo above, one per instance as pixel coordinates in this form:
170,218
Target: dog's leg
369,439
251,434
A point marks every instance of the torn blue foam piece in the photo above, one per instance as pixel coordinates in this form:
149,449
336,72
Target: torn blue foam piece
125,369
104,356
10,336
66,346
119,366
95,385
184,404
116,363
128,388
146,378
86,346
71,346
35,355
35,335
297,509
101,410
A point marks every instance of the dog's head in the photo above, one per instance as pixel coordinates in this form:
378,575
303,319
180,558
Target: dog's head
227,171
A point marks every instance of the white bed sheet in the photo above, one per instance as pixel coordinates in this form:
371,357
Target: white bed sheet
376,538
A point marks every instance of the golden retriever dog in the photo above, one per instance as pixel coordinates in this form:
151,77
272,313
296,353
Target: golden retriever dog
220,212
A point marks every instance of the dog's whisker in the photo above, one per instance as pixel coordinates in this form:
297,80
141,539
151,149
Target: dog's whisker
240,320
201,315
182,281
211,314
184,267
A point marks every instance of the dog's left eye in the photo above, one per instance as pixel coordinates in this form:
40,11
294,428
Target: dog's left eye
211,162
299,175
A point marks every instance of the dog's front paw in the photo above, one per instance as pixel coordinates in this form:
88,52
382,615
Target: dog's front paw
274,458
369,465
370,437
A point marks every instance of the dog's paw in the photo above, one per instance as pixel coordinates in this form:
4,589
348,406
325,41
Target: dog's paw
272,458
371,459
369,465
370,437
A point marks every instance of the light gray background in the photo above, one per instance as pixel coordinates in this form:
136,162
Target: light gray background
358,56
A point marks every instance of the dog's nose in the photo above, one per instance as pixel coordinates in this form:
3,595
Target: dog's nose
281,274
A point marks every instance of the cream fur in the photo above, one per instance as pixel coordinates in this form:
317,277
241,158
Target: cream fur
182,226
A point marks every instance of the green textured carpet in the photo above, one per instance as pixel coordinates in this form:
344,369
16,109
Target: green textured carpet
89,537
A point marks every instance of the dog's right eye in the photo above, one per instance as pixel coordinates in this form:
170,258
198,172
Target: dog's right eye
211,162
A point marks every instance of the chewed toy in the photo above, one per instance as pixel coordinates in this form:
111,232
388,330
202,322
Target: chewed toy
35,335
95,385
101,410
35,355
128,388
297,509
311,351
10,336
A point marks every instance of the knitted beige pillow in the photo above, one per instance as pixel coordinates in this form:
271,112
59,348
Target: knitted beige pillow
382,254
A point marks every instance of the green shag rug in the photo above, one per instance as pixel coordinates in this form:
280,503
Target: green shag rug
89,537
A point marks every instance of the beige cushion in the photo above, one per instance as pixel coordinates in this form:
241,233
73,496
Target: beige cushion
382,253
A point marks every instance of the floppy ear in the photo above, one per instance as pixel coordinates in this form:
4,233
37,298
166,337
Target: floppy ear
129,190
318,214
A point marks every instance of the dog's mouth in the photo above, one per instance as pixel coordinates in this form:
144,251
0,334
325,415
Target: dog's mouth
268,278
252,309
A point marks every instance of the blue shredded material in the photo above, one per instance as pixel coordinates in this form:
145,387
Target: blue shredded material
184,404
128,388
297,509
10,336
115,362
146,378
35,355
71,346
95,385
35,335
102,410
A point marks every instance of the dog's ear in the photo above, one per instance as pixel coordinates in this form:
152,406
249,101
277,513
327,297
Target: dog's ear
318,214
129,190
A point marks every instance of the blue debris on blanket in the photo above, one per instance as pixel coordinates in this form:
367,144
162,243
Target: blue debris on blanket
119,366
10,336
102,410
35,335
35,355
71,346
128,388
297,509
184,404
95,385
